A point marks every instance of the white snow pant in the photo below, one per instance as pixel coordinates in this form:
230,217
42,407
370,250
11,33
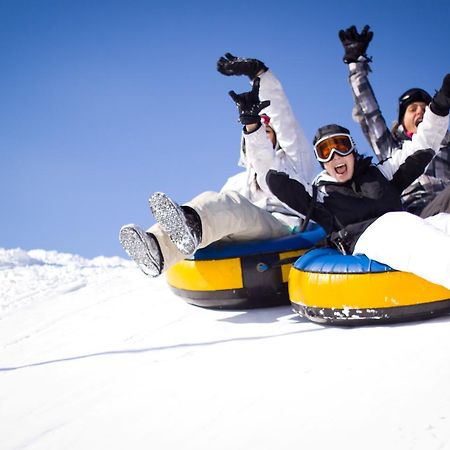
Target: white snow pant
409,243
225,216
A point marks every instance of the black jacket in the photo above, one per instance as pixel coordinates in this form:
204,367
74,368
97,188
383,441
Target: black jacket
345,210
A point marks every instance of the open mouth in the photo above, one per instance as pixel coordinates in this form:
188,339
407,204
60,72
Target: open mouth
340,169
416,123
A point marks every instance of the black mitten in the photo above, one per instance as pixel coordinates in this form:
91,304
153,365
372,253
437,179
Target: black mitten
233,65
355,44
249,105
440,104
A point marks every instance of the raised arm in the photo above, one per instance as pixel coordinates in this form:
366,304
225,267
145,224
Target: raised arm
292,143
366,110
290,136
259,152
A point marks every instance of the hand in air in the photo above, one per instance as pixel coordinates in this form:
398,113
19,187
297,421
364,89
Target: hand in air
249,104
355,44
233,65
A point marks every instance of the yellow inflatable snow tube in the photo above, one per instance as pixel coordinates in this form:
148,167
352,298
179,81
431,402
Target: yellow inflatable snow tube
241,275
328,287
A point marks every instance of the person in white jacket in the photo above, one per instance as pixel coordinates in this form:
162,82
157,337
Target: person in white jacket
429,194
244,209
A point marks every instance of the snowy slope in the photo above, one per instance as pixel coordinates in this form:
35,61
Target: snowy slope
94,355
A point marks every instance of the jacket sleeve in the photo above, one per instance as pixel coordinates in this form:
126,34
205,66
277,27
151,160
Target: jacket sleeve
298,197
367,112
262,157
289,191
404,166
295,149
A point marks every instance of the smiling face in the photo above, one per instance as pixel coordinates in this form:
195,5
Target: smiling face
341,168
413,116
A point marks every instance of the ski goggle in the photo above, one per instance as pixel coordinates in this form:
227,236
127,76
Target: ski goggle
340,143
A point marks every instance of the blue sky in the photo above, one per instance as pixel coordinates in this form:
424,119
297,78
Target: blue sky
105,102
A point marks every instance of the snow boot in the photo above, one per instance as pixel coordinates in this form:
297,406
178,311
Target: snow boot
181,223
142,248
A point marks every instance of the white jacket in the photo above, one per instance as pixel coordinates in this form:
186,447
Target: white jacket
293,154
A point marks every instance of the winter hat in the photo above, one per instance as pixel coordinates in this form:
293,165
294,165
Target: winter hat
411,96
328,130
265,119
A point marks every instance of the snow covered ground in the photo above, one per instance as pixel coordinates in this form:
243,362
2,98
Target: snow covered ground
94,355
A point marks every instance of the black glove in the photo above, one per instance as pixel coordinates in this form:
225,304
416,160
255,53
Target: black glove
233,65
355,44
249,105
440,104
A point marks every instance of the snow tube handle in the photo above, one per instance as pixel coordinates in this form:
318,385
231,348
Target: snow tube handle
264,267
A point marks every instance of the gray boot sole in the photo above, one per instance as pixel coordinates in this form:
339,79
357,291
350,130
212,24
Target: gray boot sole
172,220
142,249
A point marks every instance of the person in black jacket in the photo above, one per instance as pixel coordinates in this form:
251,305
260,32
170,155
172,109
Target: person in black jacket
359,203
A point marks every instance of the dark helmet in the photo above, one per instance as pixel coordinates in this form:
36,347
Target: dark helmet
328,130
324,154
411,96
